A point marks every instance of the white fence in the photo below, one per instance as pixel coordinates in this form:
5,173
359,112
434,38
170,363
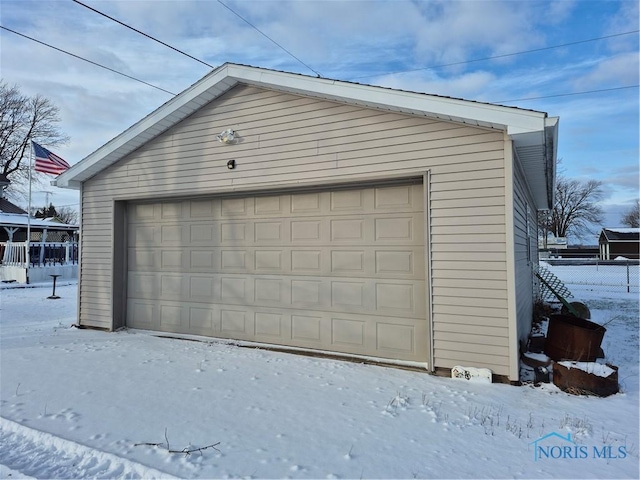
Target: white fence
44,260
40,253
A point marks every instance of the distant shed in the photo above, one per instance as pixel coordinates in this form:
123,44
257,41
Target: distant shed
619,242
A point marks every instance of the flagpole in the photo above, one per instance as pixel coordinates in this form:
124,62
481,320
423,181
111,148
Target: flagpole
29,212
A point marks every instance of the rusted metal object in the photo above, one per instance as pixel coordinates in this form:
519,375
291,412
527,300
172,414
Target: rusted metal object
578,381
573,338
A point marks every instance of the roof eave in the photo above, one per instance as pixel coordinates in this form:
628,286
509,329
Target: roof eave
537,153
517,122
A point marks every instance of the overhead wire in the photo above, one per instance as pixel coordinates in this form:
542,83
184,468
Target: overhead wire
387,73
143,33
578,42
493,57
86,60
268,38
318,74
567,94
191,56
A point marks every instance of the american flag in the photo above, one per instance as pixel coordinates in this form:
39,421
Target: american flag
48,162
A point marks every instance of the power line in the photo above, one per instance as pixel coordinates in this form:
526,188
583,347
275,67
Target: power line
142,33
268,37
186,54
173,94
501,56
567,94
87,60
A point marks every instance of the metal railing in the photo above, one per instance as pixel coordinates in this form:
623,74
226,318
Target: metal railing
609,275
40,253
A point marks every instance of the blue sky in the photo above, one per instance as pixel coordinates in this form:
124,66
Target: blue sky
400,44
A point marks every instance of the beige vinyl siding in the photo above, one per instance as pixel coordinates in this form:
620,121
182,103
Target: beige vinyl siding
287,141
470,309
526,252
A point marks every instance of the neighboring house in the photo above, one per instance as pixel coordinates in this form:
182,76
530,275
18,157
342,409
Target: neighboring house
619,242
52,247
5,205
297,211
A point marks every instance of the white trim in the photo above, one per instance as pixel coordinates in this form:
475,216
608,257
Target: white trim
428,265
80,242
496,116
514,120
512,305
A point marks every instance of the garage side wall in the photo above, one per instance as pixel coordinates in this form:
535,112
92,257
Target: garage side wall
287,140
526,252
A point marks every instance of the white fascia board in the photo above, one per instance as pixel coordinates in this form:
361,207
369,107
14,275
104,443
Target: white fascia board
514,120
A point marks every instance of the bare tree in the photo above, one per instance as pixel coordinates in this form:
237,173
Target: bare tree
64,214
632,217
576,207
22,119
68,215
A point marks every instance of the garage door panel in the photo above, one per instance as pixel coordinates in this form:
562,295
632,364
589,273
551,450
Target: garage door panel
340,332
235,260
201,320
398,339
203,234
399,198
270,232
171,316
388,297
272,206
235,207
234,323
272,325
233,233
142,211
143,314
309,203
401,229
336,270
202,208
390,262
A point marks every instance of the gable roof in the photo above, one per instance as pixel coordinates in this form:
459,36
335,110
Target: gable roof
534,133
617,235
8,207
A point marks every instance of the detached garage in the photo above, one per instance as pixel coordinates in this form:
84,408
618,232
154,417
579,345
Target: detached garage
304,212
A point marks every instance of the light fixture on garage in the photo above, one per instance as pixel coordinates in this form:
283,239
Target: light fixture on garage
231,164
228,137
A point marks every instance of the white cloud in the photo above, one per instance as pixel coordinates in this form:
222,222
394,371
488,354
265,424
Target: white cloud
457,29
625,20
560,11
351,40
620,70
469,85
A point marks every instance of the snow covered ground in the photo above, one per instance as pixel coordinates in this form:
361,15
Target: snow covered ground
82,403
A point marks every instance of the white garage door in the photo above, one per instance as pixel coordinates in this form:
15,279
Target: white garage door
338,271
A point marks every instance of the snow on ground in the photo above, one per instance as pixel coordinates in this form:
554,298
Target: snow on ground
84,403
